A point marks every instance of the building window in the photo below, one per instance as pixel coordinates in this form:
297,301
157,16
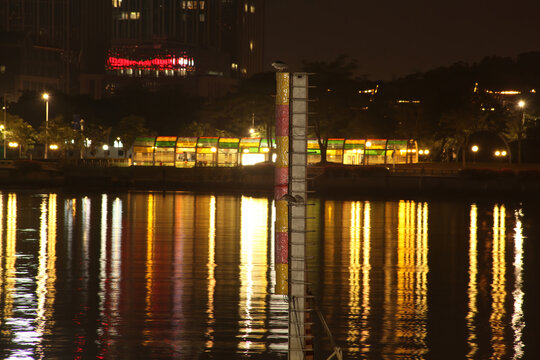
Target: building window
201,17
201,5
184,5
234,66
128,15
116,3
252,9
2,69
251,45
245,7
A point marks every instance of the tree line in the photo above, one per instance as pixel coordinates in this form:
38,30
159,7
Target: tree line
440,108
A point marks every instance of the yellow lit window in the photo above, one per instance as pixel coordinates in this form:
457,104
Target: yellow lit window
201,5
116,3
252,9
251,45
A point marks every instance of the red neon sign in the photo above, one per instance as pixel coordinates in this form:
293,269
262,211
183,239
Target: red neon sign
168,63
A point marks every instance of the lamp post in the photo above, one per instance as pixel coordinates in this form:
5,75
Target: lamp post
4,129
474,150
252,129
46,98
521,125
366,153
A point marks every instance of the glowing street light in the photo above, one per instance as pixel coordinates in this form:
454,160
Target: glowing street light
45,97
4,125
366,153
474,149
521,105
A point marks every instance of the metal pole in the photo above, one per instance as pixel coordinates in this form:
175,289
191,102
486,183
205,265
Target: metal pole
300,344
46,125
5,116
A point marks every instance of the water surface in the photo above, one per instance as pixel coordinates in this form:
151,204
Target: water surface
161,275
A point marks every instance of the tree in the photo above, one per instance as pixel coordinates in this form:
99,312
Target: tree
456,127
336,99
19,131
62,134
129,128
234,114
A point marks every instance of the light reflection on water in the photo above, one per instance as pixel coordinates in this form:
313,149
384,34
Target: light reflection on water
180,275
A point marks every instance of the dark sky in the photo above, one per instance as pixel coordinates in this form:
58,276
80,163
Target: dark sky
398,37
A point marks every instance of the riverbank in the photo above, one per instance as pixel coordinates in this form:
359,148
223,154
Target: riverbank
410,180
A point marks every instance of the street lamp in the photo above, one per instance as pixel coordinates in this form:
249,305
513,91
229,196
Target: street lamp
46,98
366,153
521,105
4,126
474,150
252,129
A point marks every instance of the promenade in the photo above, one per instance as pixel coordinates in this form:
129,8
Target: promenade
422,179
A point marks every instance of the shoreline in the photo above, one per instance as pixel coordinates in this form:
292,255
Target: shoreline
325,181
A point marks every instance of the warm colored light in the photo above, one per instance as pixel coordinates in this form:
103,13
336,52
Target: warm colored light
426,151
266,149
521,103
45,96
368,143
497,153
421,152
1,127
503,153
105,147
13,144
474,148
245,151
252,130
213,149
53,147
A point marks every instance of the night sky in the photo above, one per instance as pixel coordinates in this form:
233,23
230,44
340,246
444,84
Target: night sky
397,37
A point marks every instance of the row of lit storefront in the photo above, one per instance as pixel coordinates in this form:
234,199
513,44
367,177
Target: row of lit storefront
226,151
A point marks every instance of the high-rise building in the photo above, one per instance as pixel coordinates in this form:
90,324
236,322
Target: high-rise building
95,46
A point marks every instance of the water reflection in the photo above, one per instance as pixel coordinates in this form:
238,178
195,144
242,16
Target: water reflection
253,267
518,321
412,267
180,275
472,289
498,285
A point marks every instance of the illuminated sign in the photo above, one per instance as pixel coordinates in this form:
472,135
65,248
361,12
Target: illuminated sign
167,62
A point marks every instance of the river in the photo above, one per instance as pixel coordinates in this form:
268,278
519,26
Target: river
180,275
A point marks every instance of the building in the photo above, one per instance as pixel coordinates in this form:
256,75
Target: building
53,45
94,47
